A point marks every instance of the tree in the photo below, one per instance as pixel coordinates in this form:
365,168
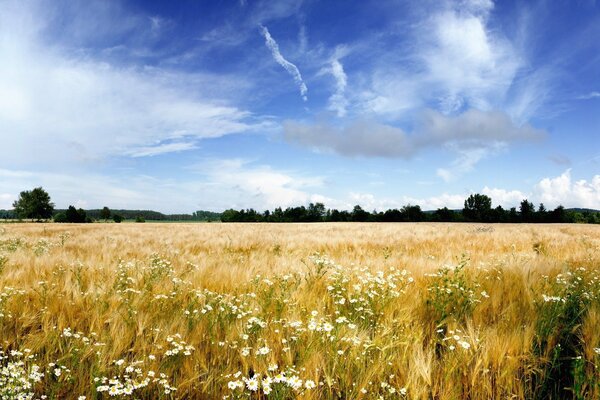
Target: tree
412,213
558,215
315,212
117,218
60,217
34,204
359,215
105,214
477,207
75,215
527,210
444,214
542,213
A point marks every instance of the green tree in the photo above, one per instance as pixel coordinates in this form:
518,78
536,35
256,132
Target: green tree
105,214
117,218
477,207
444,214
359,215
34,204
75,215
412,213
315,212
527,210
60,217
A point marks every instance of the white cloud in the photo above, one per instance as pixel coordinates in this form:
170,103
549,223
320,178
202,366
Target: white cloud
504,198
552,191
467,60
370,202
563,190
219,184
560,190
288,66
261,186
146,151
453,59
59,103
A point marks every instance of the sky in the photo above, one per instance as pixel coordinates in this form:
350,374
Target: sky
209,105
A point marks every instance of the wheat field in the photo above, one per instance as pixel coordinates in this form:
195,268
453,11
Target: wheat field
309,311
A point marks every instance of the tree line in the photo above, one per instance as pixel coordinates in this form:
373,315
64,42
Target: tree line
477,208
37,205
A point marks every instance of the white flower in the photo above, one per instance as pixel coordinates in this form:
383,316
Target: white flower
263,351
464,345
294,382
309,384
252,384
232,385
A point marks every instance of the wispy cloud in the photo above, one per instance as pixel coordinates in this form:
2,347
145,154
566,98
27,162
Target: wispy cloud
60,105
288,66
590,95
560,159
338,101
148,151
465,162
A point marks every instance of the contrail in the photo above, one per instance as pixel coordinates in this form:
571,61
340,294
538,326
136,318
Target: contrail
289,67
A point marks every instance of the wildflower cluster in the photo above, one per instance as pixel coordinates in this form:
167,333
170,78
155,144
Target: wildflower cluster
456,339
273,382
131,380
360,296
18,375
452,294
178,346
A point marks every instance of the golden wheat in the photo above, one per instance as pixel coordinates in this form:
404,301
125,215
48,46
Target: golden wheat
314,311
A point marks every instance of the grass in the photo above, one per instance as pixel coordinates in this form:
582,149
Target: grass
312,311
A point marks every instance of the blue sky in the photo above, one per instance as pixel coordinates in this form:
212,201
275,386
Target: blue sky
188,105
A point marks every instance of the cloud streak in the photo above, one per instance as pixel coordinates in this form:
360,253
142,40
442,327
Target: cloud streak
591,95
338,101
288,66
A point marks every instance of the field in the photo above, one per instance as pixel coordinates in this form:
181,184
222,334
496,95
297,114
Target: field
310,311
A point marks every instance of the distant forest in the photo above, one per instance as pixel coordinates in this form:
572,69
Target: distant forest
148,215
477,208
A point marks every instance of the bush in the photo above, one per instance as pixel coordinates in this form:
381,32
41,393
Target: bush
140,219
60,217
117,218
